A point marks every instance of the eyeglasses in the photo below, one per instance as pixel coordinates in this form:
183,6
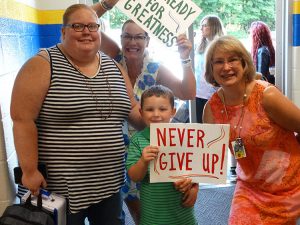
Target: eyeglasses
220,63
137,38
79,27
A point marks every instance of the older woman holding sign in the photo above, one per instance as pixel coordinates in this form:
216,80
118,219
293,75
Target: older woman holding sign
145,72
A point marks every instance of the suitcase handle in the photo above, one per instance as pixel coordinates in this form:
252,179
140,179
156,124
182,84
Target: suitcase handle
45,192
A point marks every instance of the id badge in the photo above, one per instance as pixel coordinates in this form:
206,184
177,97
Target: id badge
239,148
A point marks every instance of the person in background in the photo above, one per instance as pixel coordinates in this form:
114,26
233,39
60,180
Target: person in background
263,126
68,105
161,203
263,53
211,27
145,72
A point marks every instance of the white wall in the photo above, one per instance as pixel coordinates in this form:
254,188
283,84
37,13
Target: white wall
48,5
295,70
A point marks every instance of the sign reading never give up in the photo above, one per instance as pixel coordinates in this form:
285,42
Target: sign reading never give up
164,19
197,151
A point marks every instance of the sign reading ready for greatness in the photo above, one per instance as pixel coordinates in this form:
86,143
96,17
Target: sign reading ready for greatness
197,151
164,19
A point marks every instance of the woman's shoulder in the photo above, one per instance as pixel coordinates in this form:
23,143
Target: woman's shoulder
262,90
150,60
106,59
261,84
104,55
216,96
151,65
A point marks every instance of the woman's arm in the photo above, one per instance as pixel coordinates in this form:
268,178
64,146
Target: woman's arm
29,91
103,5
281,110
184,89
109,46
207,114
190,197
134,118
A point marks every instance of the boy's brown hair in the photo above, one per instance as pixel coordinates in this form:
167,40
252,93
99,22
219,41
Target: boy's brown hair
158,91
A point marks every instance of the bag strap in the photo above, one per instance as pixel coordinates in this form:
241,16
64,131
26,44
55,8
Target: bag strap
39,201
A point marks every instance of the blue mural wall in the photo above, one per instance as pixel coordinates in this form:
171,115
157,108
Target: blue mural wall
25,27
23,30
296,23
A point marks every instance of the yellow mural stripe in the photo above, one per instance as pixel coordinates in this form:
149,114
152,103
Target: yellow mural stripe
296,7
50,16
19,11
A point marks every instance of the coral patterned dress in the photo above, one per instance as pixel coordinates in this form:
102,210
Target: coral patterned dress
268,184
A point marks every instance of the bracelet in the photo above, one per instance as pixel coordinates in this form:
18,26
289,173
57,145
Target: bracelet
186,62
187,65
104,5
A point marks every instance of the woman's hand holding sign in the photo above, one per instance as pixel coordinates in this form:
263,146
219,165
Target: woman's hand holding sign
189,191
190,197
184,46
183,185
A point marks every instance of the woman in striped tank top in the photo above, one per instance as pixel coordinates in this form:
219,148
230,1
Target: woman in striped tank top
68,105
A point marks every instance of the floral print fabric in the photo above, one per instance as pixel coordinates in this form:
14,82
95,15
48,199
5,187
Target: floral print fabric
147,78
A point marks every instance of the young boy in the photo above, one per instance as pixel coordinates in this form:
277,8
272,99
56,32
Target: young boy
161,203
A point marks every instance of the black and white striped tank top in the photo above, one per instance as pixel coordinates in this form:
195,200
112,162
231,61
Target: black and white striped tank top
80,131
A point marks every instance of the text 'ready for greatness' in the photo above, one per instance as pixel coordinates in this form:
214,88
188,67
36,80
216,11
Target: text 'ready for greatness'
164,19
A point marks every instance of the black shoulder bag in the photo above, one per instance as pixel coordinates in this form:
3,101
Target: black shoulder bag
27,214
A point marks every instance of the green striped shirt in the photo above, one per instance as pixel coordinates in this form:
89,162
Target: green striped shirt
160,202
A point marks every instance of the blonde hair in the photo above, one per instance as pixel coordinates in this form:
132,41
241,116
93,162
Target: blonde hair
73,8
231,45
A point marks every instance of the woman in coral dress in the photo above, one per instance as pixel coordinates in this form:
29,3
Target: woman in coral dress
263,129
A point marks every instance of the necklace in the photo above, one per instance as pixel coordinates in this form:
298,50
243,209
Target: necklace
241,118
95,97
80,71
87,82
238,144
